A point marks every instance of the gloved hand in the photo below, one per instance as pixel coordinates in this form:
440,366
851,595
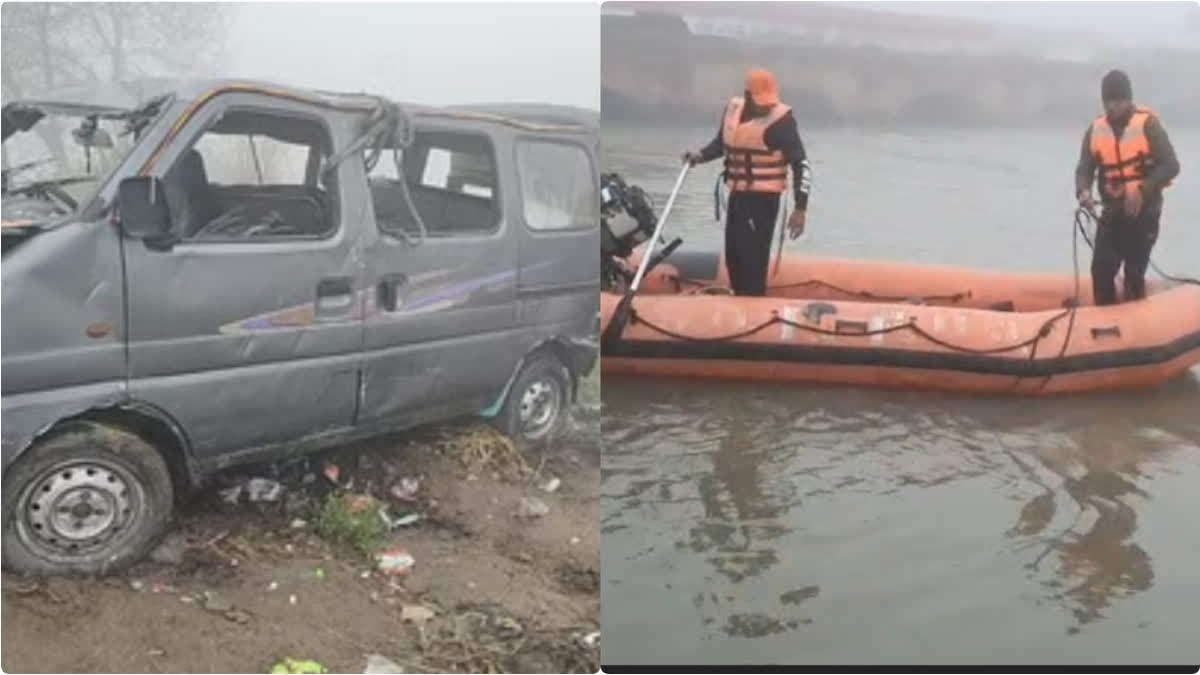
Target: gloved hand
1084,197
692,158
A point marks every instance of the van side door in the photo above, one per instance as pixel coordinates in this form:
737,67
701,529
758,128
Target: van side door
248,330
439,331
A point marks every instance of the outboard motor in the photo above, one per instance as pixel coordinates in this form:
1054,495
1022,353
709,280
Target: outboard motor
627,220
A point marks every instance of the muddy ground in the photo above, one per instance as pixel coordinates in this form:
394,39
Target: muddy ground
495,587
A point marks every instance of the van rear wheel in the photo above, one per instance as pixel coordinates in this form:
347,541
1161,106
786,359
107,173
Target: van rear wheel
90,500
537,405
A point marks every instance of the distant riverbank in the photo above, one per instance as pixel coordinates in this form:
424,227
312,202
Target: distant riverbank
654,71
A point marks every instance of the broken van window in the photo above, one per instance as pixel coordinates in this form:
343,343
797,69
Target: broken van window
250,160
254,175
558,186
452,180
64,156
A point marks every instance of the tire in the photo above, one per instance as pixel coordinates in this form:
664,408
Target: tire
538,402
92,499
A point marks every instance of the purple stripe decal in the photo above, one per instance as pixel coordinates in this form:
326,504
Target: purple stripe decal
453,292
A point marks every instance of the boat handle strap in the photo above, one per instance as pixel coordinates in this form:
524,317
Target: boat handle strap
1107,331
851,326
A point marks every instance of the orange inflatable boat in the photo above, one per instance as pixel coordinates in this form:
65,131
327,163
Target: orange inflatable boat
885,324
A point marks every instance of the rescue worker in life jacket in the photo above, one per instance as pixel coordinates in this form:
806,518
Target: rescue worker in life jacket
1127,152
759,140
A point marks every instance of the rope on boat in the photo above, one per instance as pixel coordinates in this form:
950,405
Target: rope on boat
1082,214
911,325
1074,303
866,295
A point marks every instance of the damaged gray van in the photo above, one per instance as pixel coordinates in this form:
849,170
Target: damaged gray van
203,274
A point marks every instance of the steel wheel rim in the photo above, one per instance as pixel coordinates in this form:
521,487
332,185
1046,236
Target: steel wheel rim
78,508
540,404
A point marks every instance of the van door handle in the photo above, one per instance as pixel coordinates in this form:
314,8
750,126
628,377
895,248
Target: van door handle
389,289
335,296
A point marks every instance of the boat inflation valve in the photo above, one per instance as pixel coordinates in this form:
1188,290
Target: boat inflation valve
814,311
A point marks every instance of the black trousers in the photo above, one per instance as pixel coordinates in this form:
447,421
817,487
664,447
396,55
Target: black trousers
749,228
1122,240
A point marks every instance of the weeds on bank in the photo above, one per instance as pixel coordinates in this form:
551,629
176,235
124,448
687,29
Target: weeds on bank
483,639
351,521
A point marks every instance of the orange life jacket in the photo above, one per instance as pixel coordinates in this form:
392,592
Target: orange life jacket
749,165
1123,162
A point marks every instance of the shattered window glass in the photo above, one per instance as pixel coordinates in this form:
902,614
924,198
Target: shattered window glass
451,179
559,190
253,175
51,152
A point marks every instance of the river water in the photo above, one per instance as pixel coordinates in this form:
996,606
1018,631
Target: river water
748,523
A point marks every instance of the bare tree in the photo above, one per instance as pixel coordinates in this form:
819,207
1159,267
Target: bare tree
50,45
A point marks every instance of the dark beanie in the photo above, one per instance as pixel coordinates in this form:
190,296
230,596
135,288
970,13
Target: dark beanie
1116,87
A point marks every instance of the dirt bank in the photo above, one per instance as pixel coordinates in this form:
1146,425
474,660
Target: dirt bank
495,585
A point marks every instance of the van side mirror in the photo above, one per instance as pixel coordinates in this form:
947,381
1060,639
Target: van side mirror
142,208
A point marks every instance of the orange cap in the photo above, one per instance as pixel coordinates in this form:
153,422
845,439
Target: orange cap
763,87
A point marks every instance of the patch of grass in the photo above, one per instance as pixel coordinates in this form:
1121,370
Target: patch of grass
352,521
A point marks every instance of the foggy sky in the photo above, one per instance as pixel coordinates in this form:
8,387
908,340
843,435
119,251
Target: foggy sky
1142,18
425,52
1147,22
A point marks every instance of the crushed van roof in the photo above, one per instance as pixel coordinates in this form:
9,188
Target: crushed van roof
134,93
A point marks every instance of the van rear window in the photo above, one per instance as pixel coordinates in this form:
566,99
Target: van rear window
559,188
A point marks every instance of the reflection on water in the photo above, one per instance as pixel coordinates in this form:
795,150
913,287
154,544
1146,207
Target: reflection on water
737,530
1098,558
763,505
779,524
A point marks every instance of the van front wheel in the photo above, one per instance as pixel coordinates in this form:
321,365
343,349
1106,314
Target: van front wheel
537,405
90,500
